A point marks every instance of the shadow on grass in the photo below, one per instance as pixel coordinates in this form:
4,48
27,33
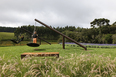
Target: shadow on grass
36,49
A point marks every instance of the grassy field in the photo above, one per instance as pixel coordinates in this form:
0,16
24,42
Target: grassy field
6,35
13,51
73,62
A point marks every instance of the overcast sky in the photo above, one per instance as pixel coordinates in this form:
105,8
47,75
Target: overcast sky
78,13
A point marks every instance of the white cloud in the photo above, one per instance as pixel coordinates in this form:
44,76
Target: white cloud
55,12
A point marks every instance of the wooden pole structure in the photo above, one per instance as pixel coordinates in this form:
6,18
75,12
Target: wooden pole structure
61,34
63,42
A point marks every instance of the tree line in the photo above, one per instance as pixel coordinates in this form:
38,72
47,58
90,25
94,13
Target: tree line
42,31
7,29
100,32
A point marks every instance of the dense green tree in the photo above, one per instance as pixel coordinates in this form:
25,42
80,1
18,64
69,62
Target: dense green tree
100,22
114,38
108,38
105,29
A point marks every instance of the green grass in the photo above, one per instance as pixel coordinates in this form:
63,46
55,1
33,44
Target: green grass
73,62
18,50
6,35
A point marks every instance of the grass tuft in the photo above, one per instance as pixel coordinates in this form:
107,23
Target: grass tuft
87,65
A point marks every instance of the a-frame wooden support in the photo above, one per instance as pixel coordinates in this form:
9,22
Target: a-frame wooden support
61,34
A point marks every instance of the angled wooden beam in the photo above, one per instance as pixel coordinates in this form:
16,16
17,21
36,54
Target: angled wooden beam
61,34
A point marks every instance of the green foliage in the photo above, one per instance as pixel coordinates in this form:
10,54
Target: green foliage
7,29
105,38
100,22
99,38
114,38
108,38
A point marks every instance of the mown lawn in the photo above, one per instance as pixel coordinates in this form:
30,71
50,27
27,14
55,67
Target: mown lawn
14,51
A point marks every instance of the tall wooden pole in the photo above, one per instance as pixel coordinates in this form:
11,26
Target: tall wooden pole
40,41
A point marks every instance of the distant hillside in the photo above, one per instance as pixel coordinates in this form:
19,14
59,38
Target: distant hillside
6,35
7,29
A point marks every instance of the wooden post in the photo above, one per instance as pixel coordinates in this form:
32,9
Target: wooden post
40,41
63,42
